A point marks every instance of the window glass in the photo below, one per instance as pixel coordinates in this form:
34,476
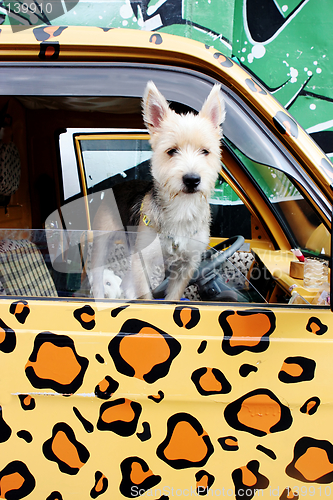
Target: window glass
106,156
305,228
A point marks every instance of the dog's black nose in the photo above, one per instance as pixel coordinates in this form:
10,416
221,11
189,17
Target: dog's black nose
191,181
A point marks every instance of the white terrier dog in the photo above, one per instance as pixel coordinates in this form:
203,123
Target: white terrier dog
185,164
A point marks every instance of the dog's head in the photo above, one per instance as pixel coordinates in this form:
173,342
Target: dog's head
186,148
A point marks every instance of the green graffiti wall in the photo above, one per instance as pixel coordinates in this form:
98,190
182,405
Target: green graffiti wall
286,44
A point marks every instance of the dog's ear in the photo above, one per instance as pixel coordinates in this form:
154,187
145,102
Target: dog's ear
213,107
155,107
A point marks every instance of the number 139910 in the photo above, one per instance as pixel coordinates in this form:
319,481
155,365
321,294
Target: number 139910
29,8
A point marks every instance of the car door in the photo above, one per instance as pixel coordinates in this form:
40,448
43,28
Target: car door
154,398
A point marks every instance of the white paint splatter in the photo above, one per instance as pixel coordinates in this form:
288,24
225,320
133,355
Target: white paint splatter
258,51
294,75
285,62
309,73
306,69
284,8
125,23
318,70
249,58
243,58
315,63
126,11
312,107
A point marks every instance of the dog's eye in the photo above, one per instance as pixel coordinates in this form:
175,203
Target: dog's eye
205,152
172,152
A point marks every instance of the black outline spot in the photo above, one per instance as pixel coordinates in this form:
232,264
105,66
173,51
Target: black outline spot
126,484
88,310
120,427
26,435
156,39
237,477
232,410
24,406
228,447
202,346
194,319
109,391
262,344
267,451
210,481
88,426
223,60
133,327
219,376
5,430
246,369
22,316
156,399
58,341
9,343
146,433
313,409
322,328
308,370
29,483
99,476
301,447
182,463
82,451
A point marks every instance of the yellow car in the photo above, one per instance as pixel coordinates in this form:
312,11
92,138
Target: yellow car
225,393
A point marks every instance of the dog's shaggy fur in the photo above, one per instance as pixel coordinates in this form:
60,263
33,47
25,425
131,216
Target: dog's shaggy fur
184,166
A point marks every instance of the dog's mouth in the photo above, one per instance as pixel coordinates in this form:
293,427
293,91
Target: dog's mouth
190,189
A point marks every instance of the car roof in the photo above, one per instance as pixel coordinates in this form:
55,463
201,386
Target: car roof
92,44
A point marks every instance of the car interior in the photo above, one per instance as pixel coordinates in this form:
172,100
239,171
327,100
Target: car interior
69,149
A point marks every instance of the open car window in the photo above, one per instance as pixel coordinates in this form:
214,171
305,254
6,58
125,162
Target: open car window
102,144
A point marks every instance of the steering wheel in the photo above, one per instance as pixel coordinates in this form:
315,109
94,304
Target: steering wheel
209,282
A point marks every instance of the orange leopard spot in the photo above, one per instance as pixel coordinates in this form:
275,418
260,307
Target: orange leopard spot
185,316
136,472
120,416
186,443
292,369
11,482
209,382
248,478
65,451
297,369
122,412
314,464
86,318
55,363
258,412
140,350
312,461
247,330
16,481
143,351
137,475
